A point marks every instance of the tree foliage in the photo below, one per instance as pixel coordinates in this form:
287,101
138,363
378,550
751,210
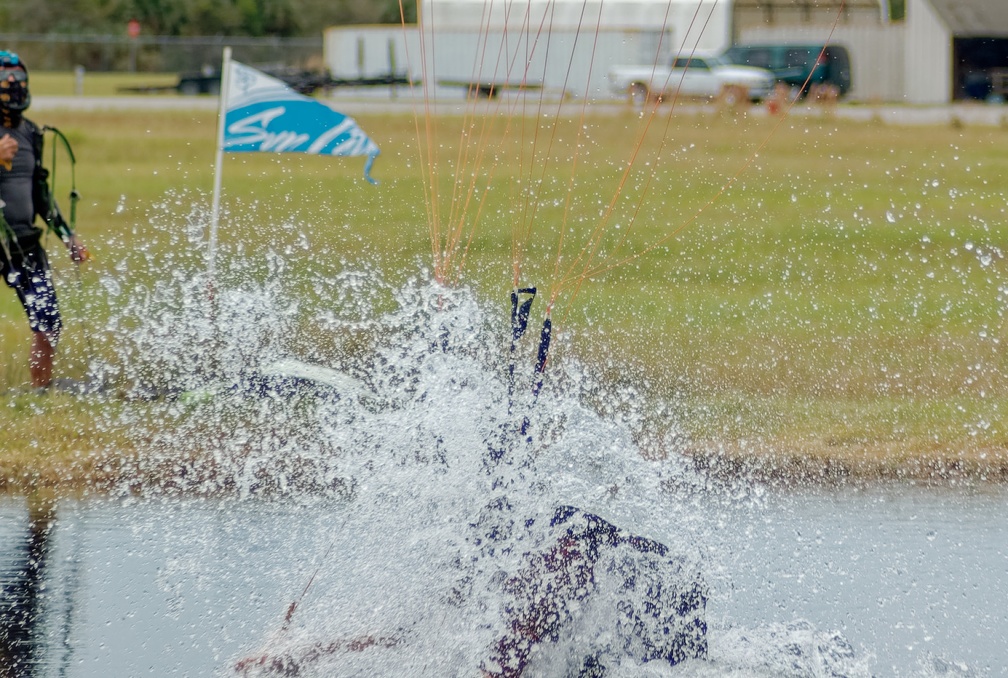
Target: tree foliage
254,18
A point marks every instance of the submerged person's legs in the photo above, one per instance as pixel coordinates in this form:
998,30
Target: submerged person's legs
653,600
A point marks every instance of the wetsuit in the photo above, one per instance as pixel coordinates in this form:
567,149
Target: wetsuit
23,262
655,602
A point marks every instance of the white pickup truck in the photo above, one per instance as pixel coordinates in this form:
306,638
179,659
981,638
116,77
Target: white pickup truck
705,76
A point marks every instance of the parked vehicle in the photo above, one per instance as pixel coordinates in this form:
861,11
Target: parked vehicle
697,75
303,81
798,65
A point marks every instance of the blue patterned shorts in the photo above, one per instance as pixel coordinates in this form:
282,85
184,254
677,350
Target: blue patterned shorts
30,276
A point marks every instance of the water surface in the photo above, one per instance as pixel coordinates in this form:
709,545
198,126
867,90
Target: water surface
915,580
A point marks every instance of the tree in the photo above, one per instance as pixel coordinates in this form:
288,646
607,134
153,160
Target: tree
283,18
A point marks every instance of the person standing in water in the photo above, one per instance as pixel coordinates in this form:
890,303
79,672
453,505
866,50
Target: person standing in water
25,194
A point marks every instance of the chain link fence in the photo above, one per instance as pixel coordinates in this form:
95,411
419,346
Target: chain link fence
159,54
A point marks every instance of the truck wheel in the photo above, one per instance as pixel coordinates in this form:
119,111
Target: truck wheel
732,96
728,96
638,94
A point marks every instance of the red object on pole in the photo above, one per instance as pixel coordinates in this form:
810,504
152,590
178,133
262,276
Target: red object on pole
133,28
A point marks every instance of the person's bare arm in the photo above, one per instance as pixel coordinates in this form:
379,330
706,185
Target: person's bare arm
8,148
78,252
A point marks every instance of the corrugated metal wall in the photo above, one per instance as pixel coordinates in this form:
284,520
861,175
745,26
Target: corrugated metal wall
928,56
875,45
876,53
568,63
371,51
909,61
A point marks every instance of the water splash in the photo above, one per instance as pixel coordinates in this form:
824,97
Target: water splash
418,450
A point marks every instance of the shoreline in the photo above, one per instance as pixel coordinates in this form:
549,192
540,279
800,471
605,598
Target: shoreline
833,463
787,465
371,103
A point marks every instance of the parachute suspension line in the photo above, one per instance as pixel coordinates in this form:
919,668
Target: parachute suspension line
449,245
590,248
458,231
297,601
468,121
530,202
577,142
591,273
486,129
530,198
429,187
530,219
547,330
587,256
416,117
650,177
521,199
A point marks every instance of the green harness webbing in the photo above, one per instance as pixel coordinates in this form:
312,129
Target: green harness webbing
74,195
8,238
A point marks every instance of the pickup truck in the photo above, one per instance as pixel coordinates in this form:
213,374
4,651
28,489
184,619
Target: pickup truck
706,76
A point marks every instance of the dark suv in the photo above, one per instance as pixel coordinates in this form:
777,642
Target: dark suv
793,64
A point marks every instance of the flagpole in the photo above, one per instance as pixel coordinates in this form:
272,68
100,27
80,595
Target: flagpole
219,161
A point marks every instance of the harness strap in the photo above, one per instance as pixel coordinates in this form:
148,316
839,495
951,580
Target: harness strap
53,211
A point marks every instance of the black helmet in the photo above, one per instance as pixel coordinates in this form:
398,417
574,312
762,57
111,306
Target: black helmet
14,95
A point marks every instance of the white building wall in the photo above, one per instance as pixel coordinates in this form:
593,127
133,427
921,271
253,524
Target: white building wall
371,51
927,55
565,15
462,43
876,53
564,46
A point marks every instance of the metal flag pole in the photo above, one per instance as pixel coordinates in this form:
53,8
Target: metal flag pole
219,160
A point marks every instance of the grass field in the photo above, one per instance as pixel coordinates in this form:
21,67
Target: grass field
837,310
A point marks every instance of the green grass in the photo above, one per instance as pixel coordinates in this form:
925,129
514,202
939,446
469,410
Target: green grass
97,84
839,303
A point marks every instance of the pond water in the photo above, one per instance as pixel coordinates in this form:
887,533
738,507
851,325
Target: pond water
915,580
397,497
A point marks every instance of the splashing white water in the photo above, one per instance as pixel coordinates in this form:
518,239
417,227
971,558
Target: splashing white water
414,450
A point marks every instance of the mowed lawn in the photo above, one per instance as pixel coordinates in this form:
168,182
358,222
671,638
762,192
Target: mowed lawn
817,297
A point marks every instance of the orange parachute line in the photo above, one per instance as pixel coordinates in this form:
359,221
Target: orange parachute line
589,272
511,62
429,186
463,165
446,245
590,249
450,249
529,217
444,248
521,229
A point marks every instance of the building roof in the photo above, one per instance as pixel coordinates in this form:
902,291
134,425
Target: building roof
974,18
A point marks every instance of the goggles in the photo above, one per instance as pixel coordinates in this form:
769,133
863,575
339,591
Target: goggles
20,75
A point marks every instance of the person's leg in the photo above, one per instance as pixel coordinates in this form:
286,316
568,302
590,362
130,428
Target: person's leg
40,364
34,286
